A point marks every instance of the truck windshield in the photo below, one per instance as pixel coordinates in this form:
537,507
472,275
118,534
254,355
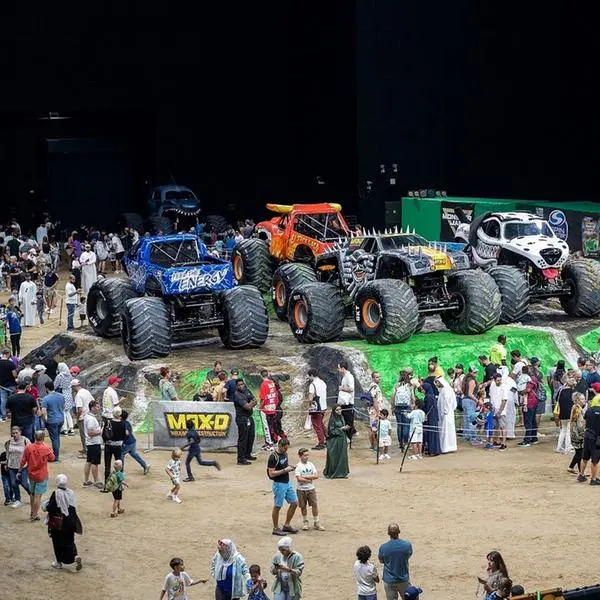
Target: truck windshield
515,229
394,242
180,195
175,254
321,226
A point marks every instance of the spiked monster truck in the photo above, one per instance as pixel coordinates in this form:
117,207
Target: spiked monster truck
175,288
300,233
389,283
530,263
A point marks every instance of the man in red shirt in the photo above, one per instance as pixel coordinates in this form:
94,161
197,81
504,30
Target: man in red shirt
35,458
269,399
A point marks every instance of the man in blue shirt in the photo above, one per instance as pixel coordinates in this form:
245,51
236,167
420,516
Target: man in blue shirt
231,385
53,406
394,556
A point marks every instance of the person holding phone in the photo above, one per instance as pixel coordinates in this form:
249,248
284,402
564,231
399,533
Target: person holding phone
278,470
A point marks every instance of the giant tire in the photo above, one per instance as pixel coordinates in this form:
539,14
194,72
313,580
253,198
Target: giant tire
252,264
288,277
146,328
133,220
386,311
481,303
583,275
316,313
217,223
163,224
514,289
105,304
246,322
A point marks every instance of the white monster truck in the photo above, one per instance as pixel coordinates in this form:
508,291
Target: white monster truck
529,263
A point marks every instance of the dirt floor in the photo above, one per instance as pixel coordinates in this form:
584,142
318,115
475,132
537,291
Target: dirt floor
454,509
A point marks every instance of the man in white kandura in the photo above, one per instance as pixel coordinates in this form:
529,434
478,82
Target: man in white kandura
27,300
88,269
446,408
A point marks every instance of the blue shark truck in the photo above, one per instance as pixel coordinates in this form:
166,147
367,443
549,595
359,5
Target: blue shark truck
175,288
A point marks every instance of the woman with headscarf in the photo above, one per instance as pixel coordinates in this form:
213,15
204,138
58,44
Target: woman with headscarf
431,436
229,571
287,566
63,523
336,464
446,408
62,385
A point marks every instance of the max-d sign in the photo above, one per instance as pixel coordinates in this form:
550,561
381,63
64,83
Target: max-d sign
214,421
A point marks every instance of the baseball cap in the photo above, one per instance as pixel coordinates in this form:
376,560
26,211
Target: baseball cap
75,382
39,368
113,379
596,387
75,370
534,360
412,592
234,371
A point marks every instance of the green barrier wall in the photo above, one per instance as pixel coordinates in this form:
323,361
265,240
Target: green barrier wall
588,341
452,349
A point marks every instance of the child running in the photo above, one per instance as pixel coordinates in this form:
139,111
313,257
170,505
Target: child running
385,438
415,434
177,582
256,584
193,447
118,480
365,574
173,470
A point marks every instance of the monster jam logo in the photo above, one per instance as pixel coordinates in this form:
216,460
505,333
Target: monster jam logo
192,279
449,215
558,221
206,424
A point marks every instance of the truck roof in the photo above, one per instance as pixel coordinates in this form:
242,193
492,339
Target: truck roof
173,188
174,237
515,216
284,209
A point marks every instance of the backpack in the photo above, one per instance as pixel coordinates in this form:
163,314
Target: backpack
112,483
402,396
107,432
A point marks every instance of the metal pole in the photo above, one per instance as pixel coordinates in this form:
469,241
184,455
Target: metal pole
406,450
60,312
377,442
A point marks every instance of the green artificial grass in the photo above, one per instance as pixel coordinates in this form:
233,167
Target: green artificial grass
451,349
588,341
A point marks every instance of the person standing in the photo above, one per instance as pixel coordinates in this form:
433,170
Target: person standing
8,382
591,446
82,403
40,379
446,408
113,434
498,351
403,396
336,463
394,555
166,387
317,402
469,388
63,524
346,398
27,300
229,571
287,566
13,320
244,405
268,410
563,407
278,470
35,458
230,385
93,443
62,385
53,406
71,301
306,474
89,275
110,398
499,399
22,407
577,431
536,373
17,477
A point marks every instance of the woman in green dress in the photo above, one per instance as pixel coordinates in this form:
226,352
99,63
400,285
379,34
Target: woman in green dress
336,465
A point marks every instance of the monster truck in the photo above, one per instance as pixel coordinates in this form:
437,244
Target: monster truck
300,233
389,283
530,263
175,288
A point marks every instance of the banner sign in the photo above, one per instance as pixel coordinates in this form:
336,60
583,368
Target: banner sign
451,215
590,236
214,422
581,231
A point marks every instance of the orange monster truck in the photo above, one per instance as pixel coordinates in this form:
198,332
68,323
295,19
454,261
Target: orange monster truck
296,236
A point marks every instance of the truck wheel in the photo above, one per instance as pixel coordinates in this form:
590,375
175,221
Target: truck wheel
105,304
146,328
386,311
287,278
163,224
133,220
217,223
246,322
480,303
316,313
583,278
252,264
514,290
420,323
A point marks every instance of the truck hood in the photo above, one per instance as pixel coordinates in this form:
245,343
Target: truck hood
542,251
199,279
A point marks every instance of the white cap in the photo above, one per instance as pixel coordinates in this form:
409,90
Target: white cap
75,382
39,368
285,542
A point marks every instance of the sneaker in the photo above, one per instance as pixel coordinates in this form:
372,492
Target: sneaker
177,499
289,529
78,565
244,462
419,456
524,444
146,469
581,478
16,504
388,456
188,479
503,448
382,457
304,525
412,457
71,433
535,442
490,446
278,531
170,496
321,447
318,527
251,457
56,565
595,482
8,502
99,485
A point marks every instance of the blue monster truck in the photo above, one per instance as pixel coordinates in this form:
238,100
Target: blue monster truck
175,288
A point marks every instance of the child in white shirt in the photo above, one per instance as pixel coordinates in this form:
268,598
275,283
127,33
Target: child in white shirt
415,434
365,574
306,473
385,438
173,470
177,582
